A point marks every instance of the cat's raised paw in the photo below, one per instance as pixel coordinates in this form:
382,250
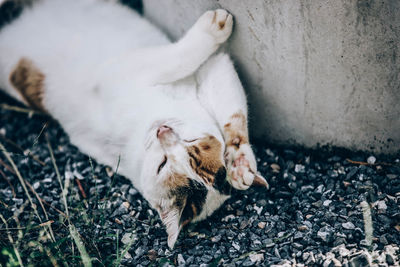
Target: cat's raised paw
242,168
218,23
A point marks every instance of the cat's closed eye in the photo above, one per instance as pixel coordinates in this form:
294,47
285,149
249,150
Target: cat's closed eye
190,141
162,164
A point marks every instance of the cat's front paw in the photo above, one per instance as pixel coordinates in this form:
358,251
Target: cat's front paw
242,168
218,23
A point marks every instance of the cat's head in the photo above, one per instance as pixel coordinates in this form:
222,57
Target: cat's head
184,180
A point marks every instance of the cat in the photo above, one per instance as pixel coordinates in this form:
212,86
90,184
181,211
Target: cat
173,115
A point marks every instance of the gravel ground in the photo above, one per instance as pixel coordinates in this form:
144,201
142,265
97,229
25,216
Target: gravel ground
312,215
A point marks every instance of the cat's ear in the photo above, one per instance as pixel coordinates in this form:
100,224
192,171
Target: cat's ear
171,216
171,219
181,207
260,181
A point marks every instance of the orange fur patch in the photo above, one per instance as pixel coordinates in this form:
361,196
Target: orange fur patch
28,80
176,180
205,158
235,131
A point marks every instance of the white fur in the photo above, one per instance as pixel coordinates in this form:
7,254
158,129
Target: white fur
111,78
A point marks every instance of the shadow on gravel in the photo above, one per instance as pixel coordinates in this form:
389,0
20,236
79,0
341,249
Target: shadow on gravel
316,212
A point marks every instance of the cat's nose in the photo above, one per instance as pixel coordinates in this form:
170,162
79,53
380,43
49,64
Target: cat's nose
168,138
163,130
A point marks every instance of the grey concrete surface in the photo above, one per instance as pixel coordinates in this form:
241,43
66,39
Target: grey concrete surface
315,71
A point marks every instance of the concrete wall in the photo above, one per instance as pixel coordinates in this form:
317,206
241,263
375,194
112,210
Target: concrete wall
316,71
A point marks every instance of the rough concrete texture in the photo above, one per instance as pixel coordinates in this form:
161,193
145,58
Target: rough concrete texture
316,72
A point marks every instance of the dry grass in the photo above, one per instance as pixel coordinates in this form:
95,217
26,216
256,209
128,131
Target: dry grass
33,244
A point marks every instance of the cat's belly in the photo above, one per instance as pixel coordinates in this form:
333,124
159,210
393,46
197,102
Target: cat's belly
110,124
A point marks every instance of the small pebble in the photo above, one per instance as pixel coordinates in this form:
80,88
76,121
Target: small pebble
371,160
298,168
36,185
109,171
206,258
348,226
181,260
275,168
127,238
261,225
126,204
236,246
127,255
256,257
216,239
391,176
381,205
302,228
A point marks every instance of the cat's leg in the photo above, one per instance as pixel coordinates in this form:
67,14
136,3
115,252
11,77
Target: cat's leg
222,94
175,61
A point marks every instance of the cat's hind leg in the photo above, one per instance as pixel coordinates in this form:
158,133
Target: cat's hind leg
176,61
222,94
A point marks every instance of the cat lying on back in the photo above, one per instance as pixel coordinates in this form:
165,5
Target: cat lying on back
174,113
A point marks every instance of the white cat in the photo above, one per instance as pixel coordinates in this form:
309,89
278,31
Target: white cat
175,115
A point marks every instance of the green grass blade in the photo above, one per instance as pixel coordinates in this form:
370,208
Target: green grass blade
87,262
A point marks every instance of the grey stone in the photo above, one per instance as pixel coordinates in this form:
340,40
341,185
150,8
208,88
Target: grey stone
351,173
139,252
325,233
216,239
389,259
306,188
18,201
128,238
206,258
122,209
383,240
348,226
36,185
297,245
381,205
371,160
181,261
391,176
298,235
308,224
268,243
256,257
360,260
320,189
236,246
298,168
247,262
